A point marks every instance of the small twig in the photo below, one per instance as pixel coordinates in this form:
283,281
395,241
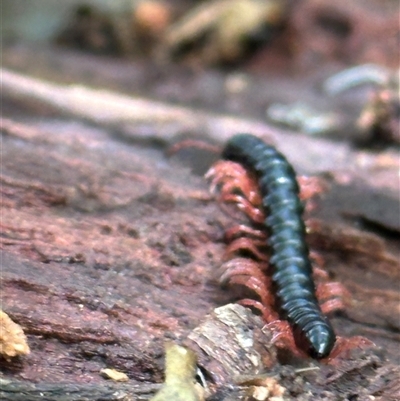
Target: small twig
126,113
308,369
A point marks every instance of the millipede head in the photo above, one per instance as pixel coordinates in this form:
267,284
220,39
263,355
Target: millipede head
321,340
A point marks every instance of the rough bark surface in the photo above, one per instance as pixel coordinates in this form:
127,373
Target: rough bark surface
108,247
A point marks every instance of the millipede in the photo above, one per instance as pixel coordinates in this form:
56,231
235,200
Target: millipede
275,204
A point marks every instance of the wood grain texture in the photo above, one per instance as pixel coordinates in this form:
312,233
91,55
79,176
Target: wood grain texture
108,247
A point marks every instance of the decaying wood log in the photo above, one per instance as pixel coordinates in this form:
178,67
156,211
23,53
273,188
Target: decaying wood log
109,248
20,391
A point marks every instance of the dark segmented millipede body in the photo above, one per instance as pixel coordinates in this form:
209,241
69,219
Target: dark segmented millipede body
290,262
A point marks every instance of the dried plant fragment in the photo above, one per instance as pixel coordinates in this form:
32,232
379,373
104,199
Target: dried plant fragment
221,28
114,375
180,372
12,338
262,387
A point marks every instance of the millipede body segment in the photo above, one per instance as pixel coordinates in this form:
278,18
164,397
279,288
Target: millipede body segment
290,261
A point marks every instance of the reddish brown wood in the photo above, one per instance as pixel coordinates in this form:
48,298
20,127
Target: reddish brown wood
108,247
